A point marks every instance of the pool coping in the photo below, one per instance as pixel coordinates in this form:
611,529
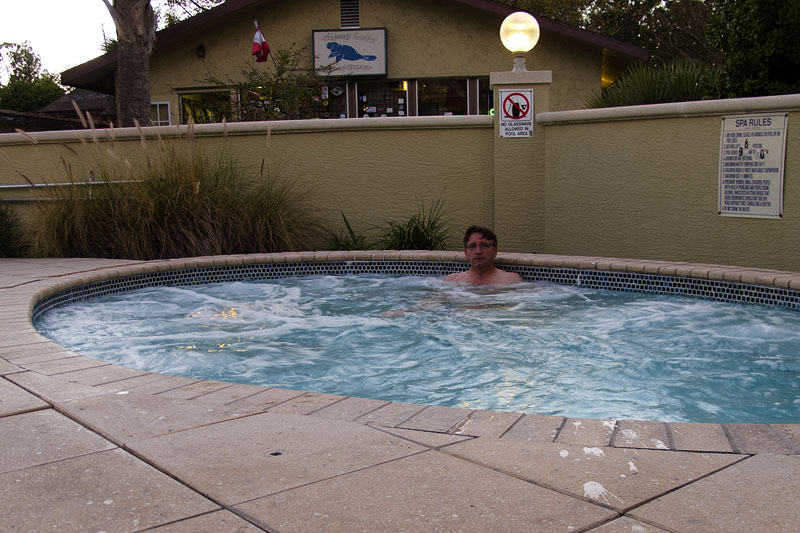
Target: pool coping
58,378
746,438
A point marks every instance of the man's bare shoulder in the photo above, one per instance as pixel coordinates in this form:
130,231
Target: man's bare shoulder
504,277
496,277
458,277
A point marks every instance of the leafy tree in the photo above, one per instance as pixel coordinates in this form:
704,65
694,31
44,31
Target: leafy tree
568,11
175,11
625,20
678,31
759,42
670,29
29,88
284,90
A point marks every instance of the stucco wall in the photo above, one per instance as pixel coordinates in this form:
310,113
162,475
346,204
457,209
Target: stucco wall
643,183
373,171
639,182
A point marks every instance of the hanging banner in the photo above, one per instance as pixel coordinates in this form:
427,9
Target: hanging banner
751,164
516,114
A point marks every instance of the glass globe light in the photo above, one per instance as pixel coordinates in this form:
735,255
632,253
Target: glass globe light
519,33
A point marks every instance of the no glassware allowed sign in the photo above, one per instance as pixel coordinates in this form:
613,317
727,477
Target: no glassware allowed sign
516,115
751,162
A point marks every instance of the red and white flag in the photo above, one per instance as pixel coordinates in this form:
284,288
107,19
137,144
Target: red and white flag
260,46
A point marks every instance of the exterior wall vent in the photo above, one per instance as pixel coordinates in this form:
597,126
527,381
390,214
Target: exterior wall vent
349,13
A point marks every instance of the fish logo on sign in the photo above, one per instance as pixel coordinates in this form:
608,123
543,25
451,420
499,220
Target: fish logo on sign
516,106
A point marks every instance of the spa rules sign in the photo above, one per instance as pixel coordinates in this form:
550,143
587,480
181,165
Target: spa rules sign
751,165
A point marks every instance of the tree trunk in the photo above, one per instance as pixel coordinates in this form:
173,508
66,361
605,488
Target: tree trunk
133,89
136,25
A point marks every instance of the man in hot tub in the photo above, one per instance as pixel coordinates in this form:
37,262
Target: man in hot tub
480,249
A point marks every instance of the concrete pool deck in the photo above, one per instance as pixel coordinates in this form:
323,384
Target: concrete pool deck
89,446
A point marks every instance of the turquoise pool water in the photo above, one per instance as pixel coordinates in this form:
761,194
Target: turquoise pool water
535,347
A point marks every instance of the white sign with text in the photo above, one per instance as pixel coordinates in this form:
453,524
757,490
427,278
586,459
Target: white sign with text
516,113
751,164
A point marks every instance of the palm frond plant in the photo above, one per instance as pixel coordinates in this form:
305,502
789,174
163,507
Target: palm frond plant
649,83
345,241
425,230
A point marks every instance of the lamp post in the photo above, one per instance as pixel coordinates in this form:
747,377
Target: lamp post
519,156
519,33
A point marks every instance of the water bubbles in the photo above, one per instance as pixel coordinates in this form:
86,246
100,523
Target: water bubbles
535,347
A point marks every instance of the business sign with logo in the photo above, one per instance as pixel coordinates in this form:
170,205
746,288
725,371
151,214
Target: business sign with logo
355,52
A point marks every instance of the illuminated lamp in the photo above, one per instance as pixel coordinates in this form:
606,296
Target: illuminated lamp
519,33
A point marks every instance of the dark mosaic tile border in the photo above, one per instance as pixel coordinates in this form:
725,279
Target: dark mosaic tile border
596,279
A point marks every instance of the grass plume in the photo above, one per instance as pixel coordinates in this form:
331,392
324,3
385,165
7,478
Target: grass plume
181,200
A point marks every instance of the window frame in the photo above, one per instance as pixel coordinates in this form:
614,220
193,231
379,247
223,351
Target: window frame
158,114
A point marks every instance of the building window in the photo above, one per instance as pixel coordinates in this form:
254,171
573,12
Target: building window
349,13
442,96
326,101
159,113
333,100
485,97
205,107
382,98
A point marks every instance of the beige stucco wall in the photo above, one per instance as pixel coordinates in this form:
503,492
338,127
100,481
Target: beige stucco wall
647,186
519,193
378,175
373,171
424,39
639,182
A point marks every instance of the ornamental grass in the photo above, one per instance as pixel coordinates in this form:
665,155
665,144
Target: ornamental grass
425,230
179,199
11,243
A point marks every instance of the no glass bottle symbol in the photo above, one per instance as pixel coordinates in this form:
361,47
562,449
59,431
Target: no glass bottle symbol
516,106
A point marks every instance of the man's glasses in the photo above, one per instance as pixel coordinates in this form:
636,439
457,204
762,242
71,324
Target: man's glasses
481,245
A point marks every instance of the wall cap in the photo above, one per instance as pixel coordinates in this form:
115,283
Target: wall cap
250,128
521,78
784,102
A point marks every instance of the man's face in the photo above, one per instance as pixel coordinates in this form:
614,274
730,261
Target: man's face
480,252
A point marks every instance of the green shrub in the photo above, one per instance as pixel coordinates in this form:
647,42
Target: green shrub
10,233
426,230
649,83
345,241
181,201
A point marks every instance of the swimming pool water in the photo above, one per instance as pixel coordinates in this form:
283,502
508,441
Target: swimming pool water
535,347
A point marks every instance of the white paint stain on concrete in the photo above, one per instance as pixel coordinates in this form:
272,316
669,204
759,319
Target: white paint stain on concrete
595,491
659,444
630,434
597,452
